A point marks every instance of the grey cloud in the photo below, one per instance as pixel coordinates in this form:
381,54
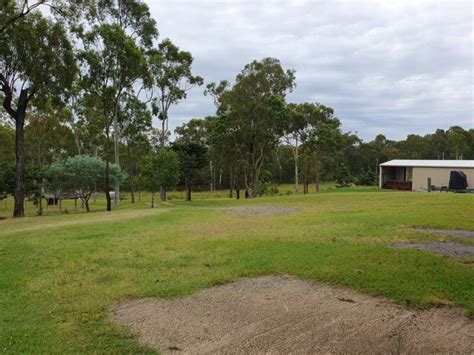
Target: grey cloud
385,67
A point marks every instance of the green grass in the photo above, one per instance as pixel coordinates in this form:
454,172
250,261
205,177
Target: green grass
60,274
142,199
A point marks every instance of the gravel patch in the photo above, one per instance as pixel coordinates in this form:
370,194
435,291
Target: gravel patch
261,210
445,232
456,250
280,315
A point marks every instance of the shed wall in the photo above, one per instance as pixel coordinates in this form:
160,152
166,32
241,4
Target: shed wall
439,176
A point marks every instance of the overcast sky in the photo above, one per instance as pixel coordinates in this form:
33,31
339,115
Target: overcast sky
385,67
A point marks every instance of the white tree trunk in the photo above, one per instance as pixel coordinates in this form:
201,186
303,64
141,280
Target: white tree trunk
117,159
296,168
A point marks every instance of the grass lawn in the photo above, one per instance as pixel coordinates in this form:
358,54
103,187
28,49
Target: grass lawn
60,274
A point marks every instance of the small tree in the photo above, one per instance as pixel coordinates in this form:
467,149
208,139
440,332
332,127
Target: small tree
81,175
7,179
193,158
343,175
160,170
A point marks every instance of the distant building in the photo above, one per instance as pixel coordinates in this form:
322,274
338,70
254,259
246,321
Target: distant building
413,174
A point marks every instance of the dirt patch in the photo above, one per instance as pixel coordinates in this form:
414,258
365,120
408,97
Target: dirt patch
456,250
262,210
281,315
445,232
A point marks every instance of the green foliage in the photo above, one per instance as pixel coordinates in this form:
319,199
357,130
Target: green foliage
81,175
268,188
133,16
193,159
37,52
256,116
367,178
171,78
161,169
111,63
47,136
12,11
343,176
7,144
7,178
196,131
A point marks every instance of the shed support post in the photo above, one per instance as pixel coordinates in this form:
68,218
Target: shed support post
380,176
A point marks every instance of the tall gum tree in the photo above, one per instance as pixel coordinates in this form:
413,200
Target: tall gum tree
321,138
134,125
257,114
36,62
172,78
299,119
12,11
113,63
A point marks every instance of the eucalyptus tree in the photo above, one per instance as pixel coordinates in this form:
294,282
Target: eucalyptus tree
196,131
172,77
257,115
12,11
36,62
321,138
218,91
199,131
113,63
47,136
223,147
224,144
7,143
300,116
160,170
7,179
193,159
171,70
193,140
134,123
458,140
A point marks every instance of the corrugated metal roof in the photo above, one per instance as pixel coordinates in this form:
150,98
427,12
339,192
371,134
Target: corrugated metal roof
431,163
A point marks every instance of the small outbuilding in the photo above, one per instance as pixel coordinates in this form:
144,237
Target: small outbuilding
415,175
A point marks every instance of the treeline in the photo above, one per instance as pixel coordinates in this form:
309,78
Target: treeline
206,165
89,80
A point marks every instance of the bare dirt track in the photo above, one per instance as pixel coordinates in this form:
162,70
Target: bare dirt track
261,210
456,250
445,232
279,314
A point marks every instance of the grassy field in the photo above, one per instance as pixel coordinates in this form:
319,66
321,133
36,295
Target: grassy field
142,198
61,273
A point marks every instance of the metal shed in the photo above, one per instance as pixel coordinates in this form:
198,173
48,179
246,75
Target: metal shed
413,174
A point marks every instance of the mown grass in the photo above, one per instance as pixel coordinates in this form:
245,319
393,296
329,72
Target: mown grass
143,199
59,275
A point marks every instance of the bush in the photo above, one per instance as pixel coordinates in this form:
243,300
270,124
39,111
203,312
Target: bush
367,178
7,179
268,189
343,176
81,175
